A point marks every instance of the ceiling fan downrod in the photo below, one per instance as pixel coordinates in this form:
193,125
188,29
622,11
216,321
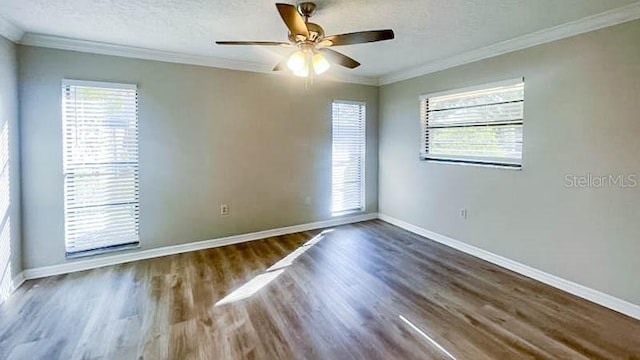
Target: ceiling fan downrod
306,9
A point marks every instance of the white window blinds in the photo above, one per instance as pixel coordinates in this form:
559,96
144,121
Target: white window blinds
348,156
482,125
101,181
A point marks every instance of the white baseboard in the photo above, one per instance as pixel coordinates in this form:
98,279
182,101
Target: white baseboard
81,265
584,292
18,280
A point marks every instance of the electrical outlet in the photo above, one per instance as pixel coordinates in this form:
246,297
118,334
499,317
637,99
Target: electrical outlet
307,200
224,209
464,213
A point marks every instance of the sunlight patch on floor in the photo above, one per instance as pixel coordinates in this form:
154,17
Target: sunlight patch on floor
250,288
254,285
433,342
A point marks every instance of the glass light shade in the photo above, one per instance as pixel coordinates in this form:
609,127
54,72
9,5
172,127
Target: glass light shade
320,64
304,72
298,64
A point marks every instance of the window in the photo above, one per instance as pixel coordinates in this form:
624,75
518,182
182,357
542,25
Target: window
481,125
348,157
101,181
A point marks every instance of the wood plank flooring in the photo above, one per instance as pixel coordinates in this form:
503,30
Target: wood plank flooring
363,291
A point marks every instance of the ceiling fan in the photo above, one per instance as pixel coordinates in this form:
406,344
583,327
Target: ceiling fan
312,54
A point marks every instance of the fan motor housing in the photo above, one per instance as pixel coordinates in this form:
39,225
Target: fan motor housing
316,33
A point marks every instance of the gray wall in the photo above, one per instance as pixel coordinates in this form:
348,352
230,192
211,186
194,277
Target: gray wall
582,115
10,244
260,143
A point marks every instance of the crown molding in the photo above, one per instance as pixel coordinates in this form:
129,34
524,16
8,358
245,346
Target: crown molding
591,23
10,30
94,47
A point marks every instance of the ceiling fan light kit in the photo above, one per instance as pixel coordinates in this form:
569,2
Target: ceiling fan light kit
313,55
300,60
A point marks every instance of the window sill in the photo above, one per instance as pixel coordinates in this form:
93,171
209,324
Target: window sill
100,251
476,164
347,212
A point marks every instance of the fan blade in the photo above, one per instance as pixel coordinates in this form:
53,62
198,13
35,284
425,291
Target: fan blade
338,58
293,20
360,37
267,43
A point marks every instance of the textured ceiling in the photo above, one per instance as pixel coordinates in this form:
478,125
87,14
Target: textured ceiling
426,30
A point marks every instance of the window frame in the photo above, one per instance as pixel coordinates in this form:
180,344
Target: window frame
363,191
467,159
66,83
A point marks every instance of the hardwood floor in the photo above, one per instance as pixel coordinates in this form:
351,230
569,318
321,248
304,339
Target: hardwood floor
363,291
